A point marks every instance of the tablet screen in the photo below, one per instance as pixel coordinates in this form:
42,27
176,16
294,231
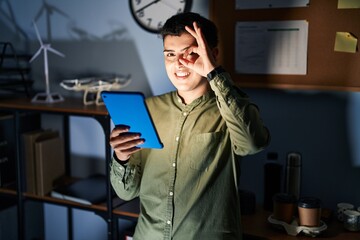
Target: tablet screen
129,108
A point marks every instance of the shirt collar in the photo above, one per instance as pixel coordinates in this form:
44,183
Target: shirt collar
202,99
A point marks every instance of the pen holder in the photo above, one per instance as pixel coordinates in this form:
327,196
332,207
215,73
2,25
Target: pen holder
352,220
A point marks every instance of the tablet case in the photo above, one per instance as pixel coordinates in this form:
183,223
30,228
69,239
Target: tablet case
129,108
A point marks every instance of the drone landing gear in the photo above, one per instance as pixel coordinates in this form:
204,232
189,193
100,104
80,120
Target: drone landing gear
47,98
92,96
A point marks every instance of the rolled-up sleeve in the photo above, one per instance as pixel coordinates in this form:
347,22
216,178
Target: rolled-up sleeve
247,131
125,179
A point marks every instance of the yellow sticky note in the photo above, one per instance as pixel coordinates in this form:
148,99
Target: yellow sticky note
348,4
345,42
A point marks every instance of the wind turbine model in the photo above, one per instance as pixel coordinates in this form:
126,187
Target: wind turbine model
46,97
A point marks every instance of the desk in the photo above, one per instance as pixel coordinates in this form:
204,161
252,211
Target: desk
256,226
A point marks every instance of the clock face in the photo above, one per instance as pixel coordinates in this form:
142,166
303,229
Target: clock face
152,14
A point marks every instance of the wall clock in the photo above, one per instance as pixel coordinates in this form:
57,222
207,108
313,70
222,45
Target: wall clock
152,14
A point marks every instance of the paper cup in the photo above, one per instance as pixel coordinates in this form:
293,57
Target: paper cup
309,209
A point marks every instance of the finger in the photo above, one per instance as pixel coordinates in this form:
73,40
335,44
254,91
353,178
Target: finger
200,37
126,154
119,130
125,149
186,63
123,138
191,31
194,34
197,34
124,146
190,50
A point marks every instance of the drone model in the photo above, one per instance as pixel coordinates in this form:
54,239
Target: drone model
46,97
93,87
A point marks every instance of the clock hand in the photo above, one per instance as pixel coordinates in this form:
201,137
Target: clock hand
169,4
148,5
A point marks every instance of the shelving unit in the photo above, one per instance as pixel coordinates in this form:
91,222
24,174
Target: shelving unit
14,70
112,209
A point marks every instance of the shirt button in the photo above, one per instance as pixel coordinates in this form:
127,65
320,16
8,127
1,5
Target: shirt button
184,113
177,139
168,222
229,102
174,164
171,193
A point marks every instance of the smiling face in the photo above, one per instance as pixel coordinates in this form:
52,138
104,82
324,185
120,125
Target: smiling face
189,84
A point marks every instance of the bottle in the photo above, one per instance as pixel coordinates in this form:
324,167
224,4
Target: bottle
272,180
293,174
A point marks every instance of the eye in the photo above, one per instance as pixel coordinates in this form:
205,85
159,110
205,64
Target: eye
169,55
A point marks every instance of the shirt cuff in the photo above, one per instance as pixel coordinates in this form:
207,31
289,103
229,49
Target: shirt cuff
122,163
216,71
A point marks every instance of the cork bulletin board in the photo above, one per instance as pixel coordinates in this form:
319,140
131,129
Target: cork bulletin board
326,69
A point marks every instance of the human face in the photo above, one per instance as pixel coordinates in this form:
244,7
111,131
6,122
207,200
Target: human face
190,85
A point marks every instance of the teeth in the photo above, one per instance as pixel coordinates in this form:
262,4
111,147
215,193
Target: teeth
182,74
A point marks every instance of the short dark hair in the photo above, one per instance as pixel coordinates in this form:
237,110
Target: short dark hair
175,26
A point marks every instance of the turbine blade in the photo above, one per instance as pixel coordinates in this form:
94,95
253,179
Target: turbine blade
37,33
39,13
36,54
56,52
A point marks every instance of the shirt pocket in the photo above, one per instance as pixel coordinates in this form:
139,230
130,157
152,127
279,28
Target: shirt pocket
204,149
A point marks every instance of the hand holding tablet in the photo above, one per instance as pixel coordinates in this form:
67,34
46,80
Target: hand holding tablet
129,109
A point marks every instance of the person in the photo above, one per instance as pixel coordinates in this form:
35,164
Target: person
188,189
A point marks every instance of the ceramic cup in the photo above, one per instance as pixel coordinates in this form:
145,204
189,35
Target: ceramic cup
284,207
352,220
309,211
341,208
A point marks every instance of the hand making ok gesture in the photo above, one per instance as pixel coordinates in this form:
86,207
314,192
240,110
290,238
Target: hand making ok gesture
206,60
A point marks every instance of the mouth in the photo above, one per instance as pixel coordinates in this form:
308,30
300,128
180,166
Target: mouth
182,74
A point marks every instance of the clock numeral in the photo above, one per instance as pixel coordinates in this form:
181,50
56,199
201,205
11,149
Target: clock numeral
179,10
138,2
149,21
140,13
160,25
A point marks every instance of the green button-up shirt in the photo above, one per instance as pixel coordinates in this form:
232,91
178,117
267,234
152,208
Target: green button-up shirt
188,189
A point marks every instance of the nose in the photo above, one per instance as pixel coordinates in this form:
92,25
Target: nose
178,63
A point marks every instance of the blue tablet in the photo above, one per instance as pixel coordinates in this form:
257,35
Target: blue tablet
129,108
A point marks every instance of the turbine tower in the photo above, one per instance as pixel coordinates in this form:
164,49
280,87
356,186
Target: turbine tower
46,97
